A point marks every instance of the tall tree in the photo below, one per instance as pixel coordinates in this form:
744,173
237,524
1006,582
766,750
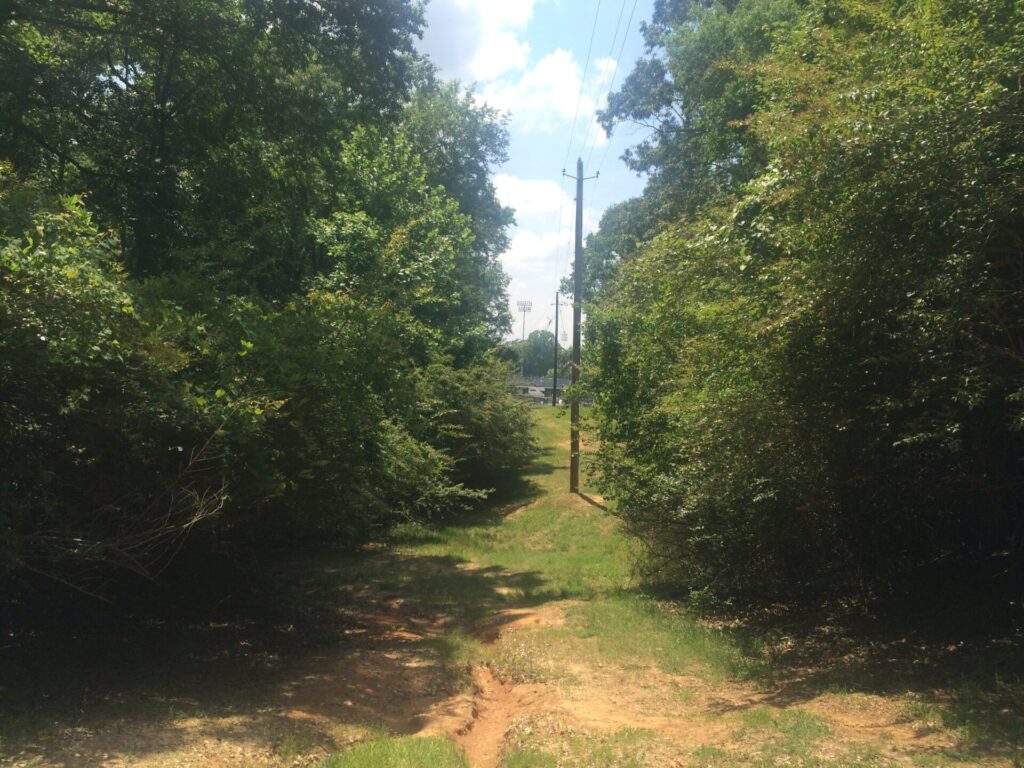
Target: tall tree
809,381
190,121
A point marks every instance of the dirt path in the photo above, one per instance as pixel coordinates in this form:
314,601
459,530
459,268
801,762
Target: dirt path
512,639
497,706
603,701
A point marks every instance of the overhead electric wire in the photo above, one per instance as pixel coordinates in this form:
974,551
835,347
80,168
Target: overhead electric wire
579,99
611,84
605,80
558,237
568,256
583,81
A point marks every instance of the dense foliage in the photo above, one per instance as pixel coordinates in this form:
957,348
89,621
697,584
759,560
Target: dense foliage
535,355
248,280
810,368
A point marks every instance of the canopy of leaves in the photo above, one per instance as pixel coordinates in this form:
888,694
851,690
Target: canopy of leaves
536,354
811,378
248,280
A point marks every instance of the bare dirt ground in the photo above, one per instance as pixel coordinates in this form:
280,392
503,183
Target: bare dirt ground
387,674
448,638
608,699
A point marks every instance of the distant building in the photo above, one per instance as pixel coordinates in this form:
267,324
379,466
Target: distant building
537,389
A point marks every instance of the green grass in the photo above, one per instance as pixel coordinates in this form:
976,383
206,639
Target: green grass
977,728
627,748
631,629
558,549
534,656
295,743
401,752
774,756
540,546
797,728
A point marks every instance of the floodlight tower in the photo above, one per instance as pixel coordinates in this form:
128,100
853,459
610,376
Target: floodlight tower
524,307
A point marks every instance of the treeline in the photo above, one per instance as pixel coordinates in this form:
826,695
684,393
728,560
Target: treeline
535,355
809,357
249,287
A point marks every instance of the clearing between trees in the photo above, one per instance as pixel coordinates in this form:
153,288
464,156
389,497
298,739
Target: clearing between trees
514,639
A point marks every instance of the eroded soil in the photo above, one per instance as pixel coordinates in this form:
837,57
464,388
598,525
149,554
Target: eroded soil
425,639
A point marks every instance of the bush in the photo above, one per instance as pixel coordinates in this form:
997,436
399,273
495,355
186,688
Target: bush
810,385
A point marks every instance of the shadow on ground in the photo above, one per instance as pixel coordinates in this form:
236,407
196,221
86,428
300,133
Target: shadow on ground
958,660
300,653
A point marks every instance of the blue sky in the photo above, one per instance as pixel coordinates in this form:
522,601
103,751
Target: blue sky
527,58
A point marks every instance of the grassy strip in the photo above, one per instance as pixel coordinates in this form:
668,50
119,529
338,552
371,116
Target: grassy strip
558,547
400,752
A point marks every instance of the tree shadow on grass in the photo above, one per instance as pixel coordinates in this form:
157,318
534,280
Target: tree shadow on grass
955,653
593,502
327,647
512,493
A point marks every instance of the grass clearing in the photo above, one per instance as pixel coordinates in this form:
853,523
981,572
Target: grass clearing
776,756
537,587
795,725
530,746
400,752
559,548
975,728
294,743
632,629
535,656
556,551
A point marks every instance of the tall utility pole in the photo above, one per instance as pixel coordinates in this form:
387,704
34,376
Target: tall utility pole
577,312
554,383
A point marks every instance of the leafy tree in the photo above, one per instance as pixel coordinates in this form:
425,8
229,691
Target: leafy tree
809,382
459,142
191,122
106,460
536,354
246,249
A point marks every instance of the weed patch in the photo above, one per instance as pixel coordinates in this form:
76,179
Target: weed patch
629,628
531,747
403,752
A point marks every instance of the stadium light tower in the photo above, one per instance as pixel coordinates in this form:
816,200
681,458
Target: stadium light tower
524,307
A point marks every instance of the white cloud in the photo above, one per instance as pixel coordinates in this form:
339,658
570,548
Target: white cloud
486,42
502,52
538,202
534,253
535,201
541,248
544,98
478,40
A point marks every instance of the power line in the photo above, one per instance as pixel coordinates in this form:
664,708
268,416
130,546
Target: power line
603,82
608,89
568,255
583,82
575,119
558,237
615,73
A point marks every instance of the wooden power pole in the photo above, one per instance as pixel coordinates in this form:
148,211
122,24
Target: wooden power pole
577,317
